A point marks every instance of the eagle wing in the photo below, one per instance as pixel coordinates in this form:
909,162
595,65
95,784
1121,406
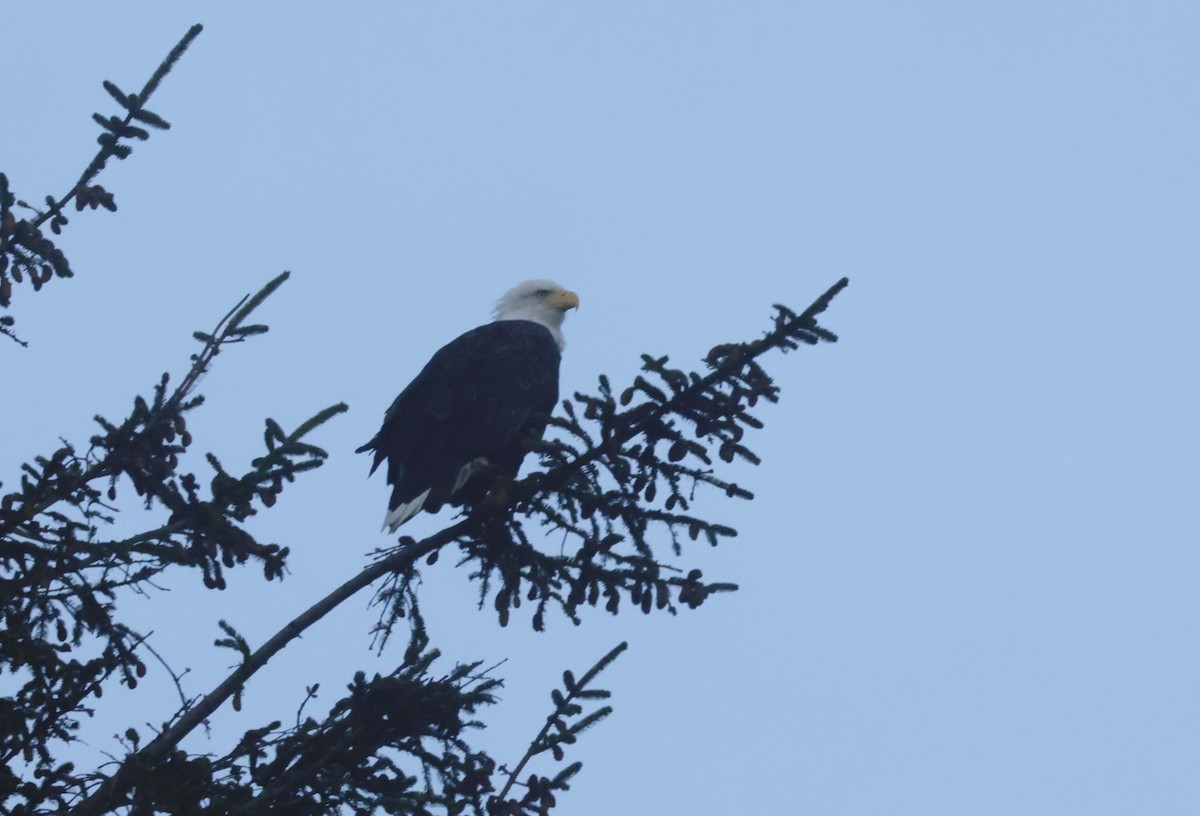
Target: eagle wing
480,400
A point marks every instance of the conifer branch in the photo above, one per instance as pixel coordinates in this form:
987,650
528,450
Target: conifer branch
556,732
111,792
76,575
25,251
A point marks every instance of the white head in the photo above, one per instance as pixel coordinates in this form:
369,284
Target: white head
541,301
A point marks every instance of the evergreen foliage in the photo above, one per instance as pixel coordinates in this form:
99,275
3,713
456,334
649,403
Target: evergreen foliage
617,486
26,253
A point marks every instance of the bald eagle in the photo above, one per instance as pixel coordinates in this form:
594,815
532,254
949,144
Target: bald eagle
477,406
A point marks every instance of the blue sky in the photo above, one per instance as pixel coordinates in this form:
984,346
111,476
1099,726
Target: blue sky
969,580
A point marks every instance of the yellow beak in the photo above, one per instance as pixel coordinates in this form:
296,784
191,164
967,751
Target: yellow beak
566,300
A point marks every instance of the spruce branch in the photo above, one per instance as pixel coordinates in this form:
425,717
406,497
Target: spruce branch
49,540
354,760
25,251
557,731
111,792
64,475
